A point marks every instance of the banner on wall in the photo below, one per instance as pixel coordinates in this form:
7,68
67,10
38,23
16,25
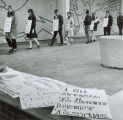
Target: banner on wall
7,25
28,26
105,22
86,103
55,24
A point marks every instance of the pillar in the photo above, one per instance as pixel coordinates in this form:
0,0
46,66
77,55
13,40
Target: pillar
121,7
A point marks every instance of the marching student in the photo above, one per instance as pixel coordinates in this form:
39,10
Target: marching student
87,23
60,18
32,35
107,29
69,32
95,22
12,35
120,23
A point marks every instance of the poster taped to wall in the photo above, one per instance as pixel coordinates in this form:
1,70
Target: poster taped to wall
28,26
55,24
7,25
105,22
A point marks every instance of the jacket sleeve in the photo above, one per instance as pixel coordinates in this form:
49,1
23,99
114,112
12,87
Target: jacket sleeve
118,21
61,20
111,20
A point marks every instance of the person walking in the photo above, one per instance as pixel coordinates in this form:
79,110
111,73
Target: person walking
87,23
120,23
107,29
32,35
69,31
12,35
95,22
60,18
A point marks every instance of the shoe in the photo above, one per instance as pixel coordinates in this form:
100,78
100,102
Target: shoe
38,46
14,50
50,44
60,45
29,48
10,51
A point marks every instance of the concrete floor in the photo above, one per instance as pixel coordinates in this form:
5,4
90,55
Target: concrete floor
78,64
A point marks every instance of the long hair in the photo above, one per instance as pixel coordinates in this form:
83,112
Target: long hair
9,14
70,14
32,12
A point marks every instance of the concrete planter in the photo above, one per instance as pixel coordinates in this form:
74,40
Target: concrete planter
111,48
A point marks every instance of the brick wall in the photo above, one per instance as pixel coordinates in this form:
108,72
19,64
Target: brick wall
8,112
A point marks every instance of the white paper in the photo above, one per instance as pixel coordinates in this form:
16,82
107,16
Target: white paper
55,24
39,99
105,22
67,25
88,103
28,26
7,25
92,25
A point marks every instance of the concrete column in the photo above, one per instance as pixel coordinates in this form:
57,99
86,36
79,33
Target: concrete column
121,7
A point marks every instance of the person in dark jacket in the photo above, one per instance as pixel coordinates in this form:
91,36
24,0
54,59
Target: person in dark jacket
120,23
12,35
107,30
32,35
87,23
57,16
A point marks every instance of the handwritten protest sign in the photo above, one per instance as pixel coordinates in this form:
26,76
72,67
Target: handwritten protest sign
55,24
28,26
7,25
39,99
15,83
92,25
88,103
105,22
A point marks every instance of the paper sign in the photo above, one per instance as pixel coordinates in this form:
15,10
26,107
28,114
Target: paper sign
105,22
28,26
92,25
87,103
7,25
55,24
39,99
67,25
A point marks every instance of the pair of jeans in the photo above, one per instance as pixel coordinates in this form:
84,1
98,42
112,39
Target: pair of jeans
55,34
107,31
12,43
87,32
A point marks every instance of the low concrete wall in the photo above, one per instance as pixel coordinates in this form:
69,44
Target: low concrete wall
111,48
